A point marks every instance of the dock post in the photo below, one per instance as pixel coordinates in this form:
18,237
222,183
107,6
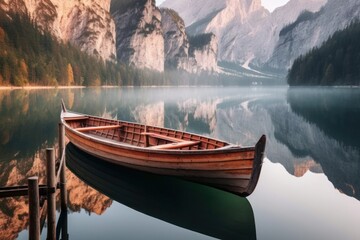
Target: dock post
51,200
63,193
34,206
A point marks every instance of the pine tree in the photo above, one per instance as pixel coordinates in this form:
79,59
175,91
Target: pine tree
329,76
6,74
70,75
337,61
21,74
2,40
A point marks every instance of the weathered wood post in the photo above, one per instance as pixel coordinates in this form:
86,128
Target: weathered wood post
63,193
34,206
51,200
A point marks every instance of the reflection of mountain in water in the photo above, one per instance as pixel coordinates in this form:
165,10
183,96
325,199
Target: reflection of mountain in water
14,211
335,112
193,206
314,130
334,139
20,120
295,141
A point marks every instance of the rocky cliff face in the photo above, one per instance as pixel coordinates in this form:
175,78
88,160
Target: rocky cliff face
204,51
176,40
247,32
312,29
223,18
129,31
198,54
85,23
267,35
139,37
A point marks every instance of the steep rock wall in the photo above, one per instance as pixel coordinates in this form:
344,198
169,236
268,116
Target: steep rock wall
87,23
139,36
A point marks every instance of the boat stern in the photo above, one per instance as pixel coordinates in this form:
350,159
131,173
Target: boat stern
257,164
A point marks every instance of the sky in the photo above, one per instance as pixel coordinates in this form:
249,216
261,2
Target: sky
269,4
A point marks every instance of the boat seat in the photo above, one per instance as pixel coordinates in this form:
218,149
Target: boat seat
167,138
76,118
175,145
87,129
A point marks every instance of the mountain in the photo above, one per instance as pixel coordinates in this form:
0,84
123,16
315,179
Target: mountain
223,18
85,23
126,31
246,31
139,36
269,29
194,54
148,37
311,30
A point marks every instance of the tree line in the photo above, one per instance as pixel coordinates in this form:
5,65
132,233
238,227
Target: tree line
336,62
30,56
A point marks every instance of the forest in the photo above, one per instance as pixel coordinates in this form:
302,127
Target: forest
335,63
30,56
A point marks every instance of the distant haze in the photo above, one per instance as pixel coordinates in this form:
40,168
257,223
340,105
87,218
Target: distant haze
269,4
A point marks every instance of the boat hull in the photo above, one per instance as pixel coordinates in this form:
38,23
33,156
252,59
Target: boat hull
233,168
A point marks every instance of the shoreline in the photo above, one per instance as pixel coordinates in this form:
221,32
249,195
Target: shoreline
38,87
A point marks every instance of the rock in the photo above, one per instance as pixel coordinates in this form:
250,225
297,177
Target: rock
204,50
311,30
246,31
86,23
200,54
139,35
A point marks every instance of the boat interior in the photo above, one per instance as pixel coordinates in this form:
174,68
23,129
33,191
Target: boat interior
140,135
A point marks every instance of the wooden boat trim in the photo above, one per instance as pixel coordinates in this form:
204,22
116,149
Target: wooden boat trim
76,118
159,136
176,145
87,129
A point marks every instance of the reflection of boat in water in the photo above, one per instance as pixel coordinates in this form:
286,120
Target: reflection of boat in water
168,152
189,205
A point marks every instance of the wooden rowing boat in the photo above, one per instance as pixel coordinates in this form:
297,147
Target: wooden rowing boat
188,205
168,152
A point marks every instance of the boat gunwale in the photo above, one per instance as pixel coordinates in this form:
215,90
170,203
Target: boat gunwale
229,148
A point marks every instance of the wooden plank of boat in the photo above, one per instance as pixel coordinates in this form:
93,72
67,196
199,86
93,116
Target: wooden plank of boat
176,145
167,151
159,136
76,118
87,129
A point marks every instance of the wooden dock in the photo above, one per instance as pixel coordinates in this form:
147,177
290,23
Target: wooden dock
42,198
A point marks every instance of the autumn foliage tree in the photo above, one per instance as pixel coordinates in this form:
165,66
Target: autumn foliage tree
69,75
29,55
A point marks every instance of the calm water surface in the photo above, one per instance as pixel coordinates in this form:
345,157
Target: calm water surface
309,187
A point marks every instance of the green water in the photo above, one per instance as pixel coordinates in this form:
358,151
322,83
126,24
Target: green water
309,187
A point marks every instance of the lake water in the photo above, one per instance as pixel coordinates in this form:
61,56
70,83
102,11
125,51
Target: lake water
309,187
